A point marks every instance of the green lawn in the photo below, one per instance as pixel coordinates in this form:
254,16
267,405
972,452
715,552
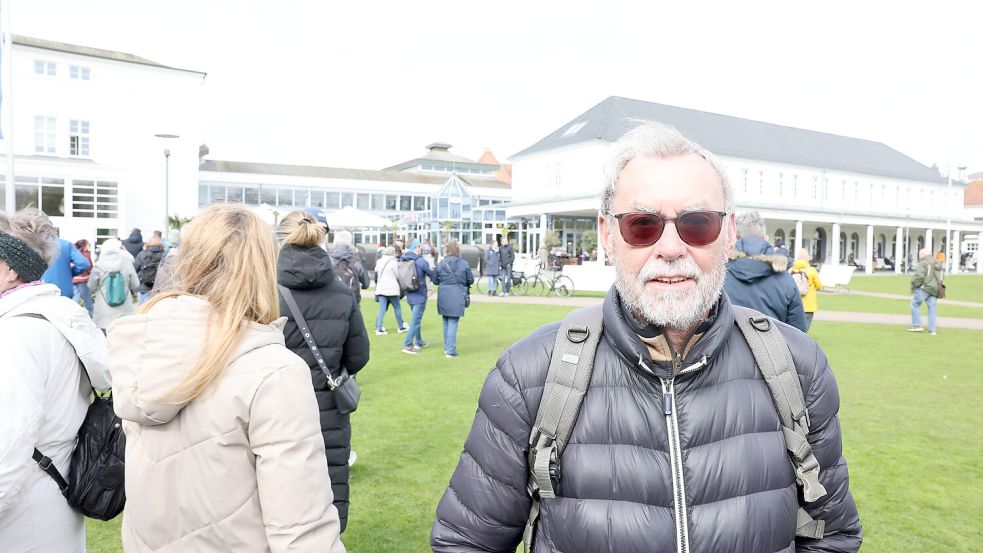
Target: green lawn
869,304
912,424
961,287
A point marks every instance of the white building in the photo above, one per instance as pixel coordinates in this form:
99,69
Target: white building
844,199
84,139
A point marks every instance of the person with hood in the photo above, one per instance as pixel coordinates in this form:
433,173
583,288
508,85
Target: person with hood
347,265
67,264
810,302
387,291
223,447
80,282
46,388
134,243
455,279
417,298
925,282
109,269
493,266
146,264
336,325
507,256
757,278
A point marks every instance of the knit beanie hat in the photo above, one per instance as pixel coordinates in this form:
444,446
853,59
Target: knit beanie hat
22,258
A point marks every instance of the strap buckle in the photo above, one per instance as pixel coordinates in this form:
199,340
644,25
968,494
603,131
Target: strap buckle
46,463
807,474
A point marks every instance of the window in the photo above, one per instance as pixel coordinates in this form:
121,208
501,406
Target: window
53,197
267,195
781,184
78,73
378,202
234,194
419,203
44,134
761,182
744,181
362,201
251,195
48,68
99,199
285,197
332,200
78,138
317,198
302,197
103,234
406,203
795,186
391,201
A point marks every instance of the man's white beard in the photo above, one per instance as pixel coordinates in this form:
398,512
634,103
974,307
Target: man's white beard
678,309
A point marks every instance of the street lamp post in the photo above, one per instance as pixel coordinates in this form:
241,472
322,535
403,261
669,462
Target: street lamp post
167,180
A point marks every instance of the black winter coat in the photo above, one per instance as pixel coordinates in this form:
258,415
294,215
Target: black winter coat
333,316
615,490
759,280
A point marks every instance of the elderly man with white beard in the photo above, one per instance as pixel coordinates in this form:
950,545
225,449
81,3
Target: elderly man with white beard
665,420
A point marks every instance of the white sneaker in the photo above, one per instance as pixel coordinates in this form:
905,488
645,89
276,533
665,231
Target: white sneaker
380,332
352,457
404,328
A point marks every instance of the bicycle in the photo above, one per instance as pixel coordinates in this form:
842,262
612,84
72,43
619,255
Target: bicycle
520,285
541,285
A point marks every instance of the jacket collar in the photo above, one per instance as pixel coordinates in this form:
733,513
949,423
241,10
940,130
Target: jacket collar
622,332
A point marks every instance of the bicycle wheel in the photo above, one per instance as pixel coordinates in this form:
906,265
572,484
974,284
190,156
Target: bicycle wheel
481,283
536,286
563,286
520,288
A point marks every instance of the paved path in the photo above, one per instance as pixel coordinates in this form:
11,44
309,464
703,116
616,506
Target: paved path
900,297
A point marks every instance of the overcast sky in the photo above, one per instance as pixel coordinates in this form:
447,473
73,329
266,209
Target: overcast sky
369,84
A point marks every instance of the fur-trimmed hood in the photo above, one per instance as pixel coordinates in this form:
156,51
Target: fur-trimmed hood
778,263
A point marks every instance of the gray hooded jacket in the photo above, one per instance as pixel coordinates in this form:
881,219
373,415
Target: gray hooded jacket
615,489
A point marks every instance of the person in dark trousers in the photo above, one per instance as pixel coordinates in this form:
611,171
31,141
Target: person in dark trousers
507,256
678,445
454,279
347,265
493,268
134,243
67,264
758,278
925,281
146,264
417,298
333,316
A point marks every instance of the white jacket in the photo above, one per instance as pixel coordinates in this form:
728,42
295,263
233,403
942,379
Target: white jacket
110,262
386,283
44,398
239,468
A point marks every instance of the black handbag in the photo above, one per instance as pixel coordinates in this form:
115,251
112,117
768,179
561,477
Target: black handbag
344,388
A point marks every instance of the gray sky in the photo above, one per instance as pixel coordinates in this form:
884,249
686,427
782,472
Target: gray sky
369,84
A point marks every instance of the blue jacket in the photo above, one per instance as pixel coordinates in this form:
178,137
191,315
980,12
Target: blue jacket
70,262
419,295
493,262
454,277
757,278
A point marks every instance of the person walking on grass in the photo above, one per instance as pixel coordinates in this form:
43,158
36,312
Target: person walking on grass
387,291
113,282
454,279
224,451
493,267
417,298
925,283
673,440
806,276
336,326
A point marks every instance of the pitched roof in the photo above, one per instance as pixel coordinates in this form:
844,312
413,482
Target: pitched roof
973,195
733,136
92,52
246,167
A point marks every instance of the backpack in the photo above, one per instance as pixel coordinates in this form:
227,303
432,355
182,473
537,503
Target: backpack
801,282
114,289
409,280
147,271
95,485
348,275
569,375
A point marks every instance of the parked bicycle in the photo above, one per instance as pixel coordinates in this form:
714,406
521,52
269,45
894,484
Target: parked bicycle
519,284
542,285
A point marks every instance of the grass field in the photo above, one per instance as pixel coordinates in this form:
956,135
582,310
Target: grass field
913,429
961,287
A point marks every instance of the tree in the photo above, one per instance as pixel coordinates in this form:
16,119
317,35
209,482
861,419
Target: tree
176,221
552,239
588,241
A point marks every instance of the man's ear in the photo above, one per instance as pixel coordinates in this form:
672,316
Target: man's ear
604,223
731,223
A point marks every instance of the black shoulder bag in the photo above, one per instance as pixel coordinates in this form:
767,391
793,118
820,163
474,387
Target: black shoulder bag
345,389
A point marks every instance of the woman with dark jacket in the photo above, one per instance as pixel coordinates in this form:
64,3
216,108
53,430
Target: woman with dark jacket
455,278
333,316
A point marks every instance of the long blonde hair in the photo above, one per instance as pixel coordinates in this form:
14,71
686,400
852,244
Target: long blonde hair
227,257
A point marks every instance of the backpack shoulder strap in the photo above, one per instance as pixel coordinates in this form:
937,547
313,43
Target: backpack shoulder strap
569,375
774,360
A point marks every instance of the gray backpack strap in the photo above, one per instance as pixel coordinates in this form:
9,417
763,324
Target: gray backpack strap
571,365
774,360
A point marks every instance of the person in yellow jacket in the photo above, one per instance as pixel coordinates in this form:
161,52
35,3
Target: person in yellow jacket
811,276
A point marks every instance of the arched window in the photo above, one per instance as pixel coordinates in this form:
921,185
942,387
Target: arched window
881,244
780,235
842,246
855,244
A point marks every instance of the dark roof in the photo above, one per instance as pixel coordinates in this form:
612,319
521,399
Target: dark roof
733,136
92,52
340,173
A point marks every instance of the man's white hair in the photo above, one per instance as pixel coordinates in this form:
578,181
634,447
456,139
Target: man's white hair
658,141
750,224
342,238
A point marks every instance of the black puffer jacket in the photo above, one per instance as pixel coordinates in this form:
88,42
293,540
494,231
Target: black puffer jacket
616,486
336,324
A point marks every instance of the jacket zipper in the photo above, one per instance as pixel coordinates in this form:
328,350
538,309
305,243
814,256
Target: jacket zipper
675,450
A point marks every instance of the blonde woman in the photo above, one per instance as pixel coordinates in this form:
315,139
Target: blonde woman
332,314
223,448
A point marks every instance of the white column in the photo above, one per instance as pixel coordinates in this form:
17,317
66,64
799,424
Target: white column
869,254
928,241
600,241
542,231
979,253
835,237
955,249
798,238
898,249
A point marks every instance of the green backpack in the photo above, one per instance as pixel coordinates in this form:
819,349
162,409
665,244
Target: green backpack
114,289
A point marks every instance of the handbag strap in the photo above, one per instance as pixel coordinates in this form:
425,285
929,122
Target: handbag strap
288,297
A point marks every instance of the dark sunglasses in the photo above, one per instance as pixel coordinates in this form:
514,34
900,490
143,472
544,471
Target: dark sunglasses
696,228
